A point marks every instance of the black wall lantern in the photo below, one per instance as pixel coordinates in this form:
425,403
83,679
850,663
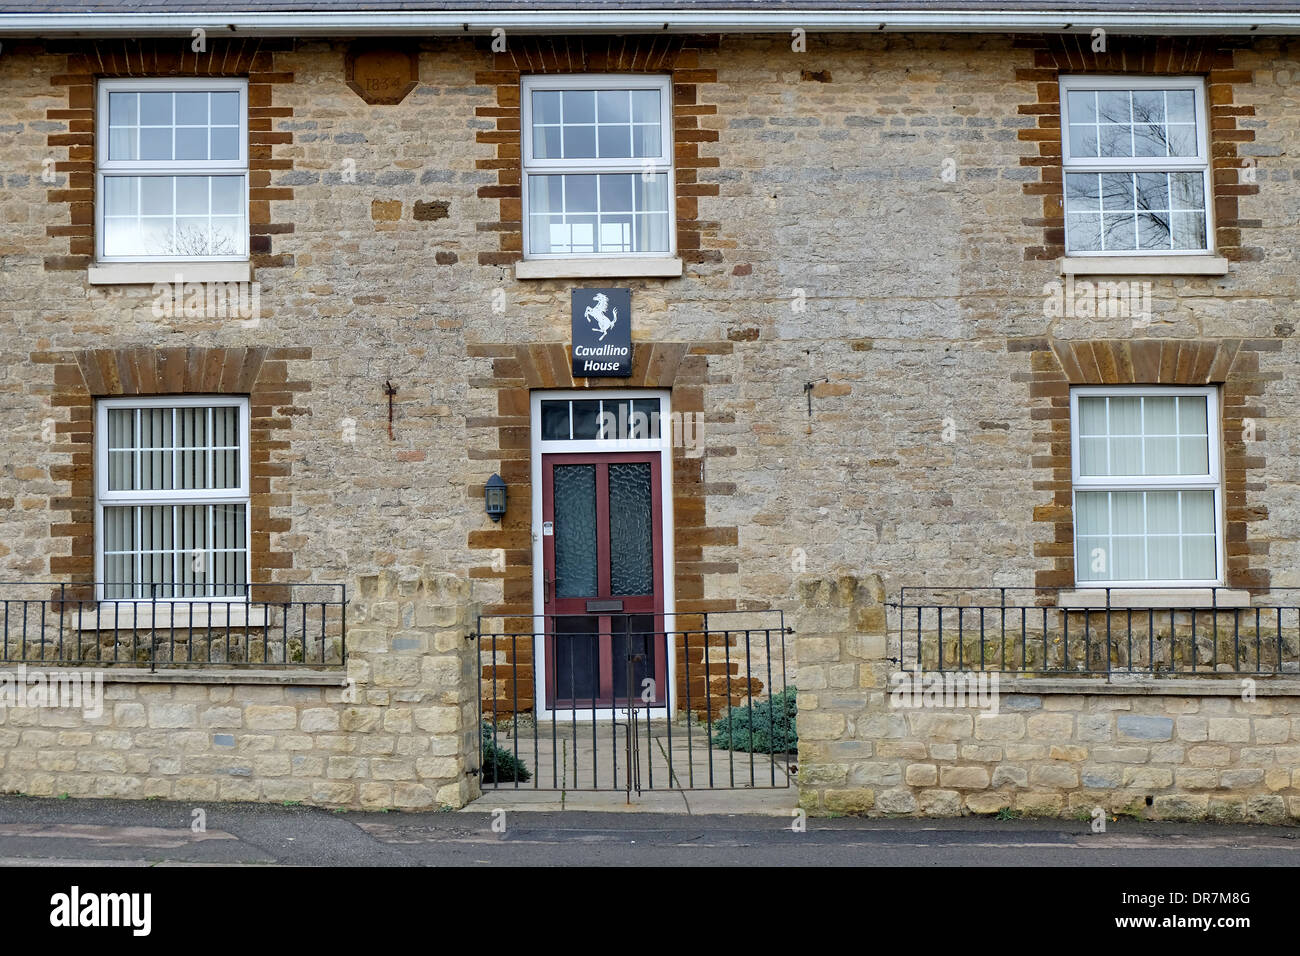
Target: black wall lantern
494,497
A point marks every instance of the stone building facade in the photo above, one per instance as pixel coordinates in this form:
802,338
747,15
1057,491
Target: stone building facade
866,229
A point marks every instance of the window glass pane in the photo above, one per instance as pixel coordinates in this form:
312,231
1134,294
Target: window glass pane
225,143
1083,140
546,107
579,106
579,142
613,107
173,217
614,142
121,196
156,109
156,143
192,143
192,109
1192,415
645,418
647,107
555,421
225,109
595,213
1159,415
1199,558
123,109
586,420
1092,415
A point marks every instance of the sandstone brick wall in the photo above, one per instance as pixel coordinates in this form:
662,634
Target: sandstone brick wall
842,268
398,730
1167,749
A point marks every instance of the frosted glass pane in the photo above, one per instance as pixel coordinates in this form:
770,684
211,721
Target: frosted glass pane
631,536
575,530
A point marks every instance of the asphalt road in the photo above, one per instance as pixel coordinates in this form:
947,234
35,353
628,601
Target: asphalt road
48,832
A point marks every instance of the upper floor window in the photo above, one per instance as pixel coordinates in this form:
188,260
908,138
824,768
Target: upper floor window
172,169
1136,165
1147,486
172,497
598,172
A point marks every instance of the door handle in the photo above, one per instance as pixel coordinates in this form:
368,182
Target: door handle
546,593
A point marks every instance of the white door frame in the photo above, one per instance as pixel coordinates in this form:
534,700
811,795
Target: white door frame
664,445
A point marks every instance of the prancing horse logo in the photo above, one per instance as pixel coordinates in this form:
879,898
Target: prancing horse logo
596,315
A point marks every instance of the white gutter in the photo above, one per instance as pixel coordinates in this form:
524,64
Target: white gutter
397,23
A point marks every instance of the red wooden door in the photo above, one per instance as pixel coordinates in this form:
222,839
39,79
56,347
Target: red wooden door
602,537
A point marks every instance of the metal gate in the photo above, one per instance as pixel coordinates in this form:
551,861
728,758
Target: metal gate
637,702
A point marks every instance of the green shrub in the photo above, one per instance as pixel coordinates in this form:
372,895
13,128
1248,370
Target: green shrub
500,765
766,727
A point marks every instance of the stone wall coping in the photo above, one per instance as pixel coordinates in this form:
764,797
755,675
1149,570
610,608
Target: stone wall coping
142,675
1265,686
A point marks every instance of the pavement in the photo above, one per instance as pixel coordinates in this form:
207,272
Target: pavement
44,832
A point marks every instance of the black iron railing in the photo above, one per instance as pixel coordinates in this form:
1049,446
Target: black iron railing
266,625
632,702
1055,631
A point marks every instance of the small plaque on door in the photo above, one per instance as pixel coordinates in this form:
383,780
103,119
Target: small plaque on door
604,606
548,529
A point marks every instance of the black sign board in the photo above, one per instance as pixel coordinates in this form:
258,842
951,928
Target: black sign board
602,333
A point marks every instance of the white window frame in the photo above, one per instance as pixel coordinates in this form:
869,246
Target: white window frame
106,498
133,167
1094,164
663,163
1213,481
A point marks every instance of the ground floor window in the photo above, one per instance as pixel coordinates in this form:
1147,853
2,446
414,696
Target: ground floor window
1147,486
172,498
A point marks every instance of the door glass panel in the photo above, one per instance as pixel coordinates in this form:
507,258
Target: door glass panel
577,658
575,531
631,529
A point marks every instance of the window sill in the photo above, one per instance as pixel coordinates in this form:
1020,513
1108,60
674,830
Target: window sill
1176,598
149,273
1143,265
127,616
666,267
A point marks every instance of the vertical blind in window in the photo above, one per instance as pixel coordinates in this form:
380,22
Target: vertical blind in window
184,532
